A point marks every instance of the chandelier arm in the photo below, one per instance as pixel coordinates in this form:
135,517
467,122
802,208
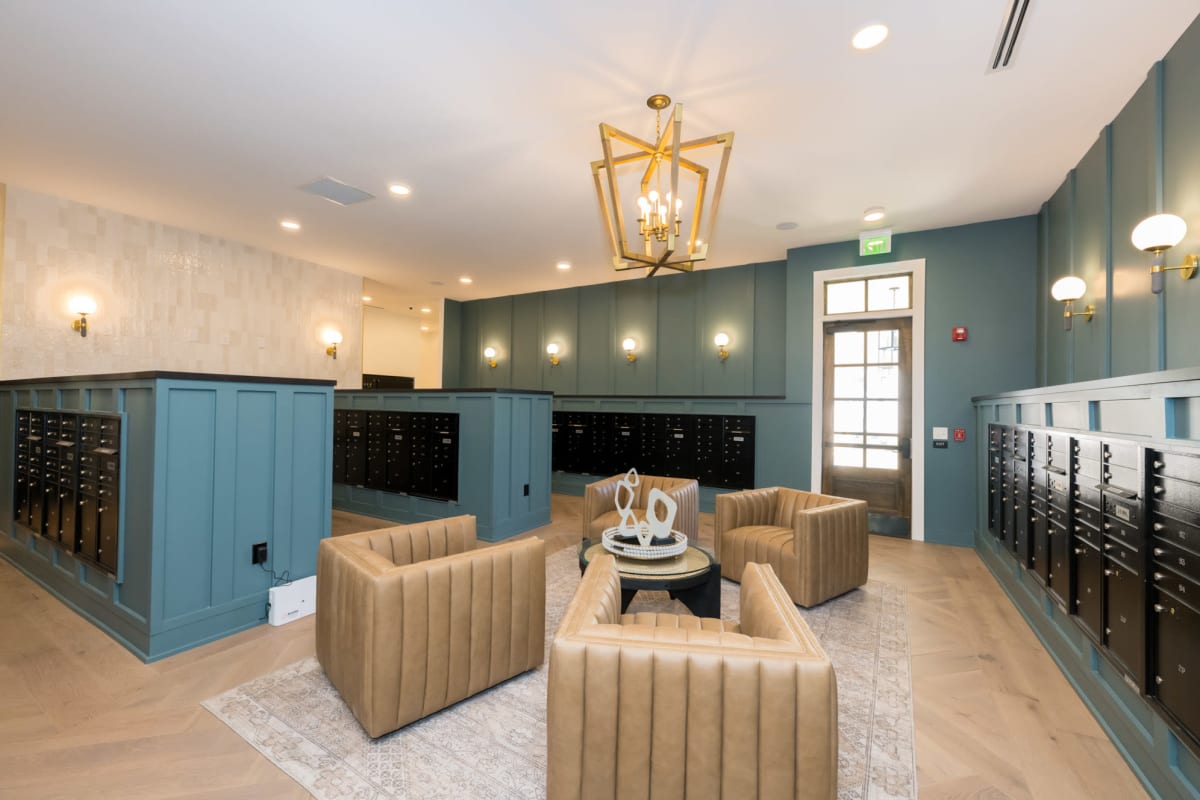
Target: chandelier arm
719,138
628,138
720,186
605,215
614,193
698,212
677,127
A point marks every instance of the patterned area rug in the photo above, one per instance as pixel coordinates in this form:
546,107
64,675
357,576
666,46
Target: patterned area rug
493,745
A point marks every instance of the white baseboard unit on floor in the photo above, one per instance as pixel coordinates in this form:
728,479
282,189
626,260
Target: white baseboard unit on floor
294,601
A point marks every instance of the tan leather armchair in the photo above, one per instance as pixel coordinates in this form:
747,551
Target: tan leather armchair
600,508
412,619
659,705
816,543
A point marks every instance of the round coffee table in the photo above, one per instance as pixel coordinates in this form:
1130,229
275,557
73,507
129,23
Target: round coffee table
693,578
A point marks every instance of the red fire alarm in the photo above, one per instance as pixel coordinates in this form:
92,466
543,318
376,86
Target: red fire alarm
960,434
958,333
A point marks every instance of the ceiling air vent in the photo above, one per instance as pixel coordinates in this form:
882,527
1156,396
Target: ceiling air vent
336,192
1010,31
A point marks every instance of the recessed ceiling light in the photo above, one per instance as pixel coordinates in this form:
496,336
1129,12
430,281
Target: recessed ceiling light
873,214
870,36
425,309
786,226
289,224
465,279
400,190
563,266
424,327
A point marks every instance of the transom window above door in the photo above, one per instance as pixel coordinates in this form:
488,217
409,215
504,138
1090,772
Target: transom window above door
858,295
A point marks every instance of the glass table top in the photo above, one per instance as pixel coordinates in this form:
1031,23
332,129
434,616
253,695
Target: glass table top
692,561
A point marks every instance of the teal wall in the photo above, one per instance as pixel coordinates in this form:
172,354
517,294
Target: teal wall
503,446
672,317
1145,162
209,467
978,275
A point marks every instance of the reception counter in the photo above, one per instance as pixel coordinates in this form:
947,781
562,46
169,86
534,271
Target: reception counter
424,454
135,498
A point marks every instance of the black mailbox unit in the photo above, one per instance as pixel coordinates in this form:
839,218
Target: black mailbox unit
403,452
1174,481
995,503
68,481
716,450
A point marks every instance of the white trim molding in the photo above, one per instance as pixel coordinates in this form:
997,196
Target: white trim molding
916,268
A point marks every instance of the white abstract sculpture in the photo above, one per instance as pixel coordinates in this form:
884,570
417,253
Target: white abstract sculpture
654,528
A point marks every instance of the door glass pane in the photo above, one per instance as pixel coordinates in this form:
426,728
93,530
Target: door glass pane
847,457
883,459
847,438
848,382
884,294
848,416
885,441
848,347
883,347
883,416
882,382
846,297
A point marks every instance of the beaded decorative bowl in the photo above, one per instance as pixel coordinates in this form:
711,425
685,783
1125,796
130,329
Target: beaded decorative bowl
620,543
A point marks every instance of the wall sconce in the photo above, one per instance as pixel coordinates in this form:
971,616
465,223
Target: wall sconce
1066,291
629,345
82,305
490,354
332,339
721,340
1156,235
552,351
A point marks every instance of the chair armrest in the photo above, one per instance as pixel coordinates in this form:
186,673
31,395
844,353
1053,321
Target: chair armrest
768,612
599,497
739,509
821,526
420,541
435,632
597,599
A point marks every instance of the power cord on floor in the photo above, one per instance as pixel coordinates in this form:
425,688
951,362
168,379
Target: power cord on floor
277,580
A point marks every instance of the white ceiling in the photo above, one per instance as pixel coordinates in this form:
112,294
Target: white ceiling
208,114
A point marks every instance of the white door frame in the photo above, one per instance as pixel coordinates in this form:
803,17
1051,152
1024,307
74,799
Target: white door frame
915,267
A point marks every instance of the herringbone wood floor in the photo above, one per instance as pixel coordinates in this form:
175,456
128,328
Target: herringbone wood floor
81,717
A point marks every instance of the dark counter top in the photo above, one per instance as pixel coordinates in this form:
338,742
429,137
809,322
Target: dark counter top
164,375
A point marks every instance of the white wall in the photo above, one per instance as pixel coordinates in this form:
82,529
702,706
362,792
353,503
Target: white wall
394,344
167,299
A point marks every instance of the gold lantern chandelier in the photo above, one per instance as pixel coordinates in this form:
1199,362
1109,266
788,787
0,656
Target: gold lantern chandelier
662,239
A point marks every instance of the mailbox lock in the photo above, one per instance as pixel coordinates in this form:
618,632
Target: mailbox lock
1159,608
1080,551
1158,576
1158,464
1158,551
1112,573
1158,679
1158,490
1158,526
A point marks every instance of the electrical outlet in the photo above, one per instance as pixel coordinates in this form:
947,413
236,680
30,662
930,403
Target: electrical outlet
527,490
258,553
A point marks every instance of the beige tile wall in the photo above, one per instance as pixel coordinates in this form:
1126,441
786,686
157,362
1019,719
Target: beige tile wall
166,299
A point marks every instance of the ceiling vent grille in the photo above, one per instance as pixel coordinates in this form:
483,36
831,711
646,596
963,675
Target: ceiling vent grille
336,192
1010,32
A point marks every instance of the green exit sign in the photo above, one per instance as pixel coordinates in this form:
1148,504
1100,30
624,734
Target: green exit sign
875,243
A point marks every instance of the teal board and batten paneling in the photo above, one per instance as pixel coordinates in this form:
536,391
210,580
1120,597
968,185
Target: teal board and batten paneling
1152,162
1158,409
504,446
1057,344
1090,250
673,319
1134,308
1181,191
210,465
